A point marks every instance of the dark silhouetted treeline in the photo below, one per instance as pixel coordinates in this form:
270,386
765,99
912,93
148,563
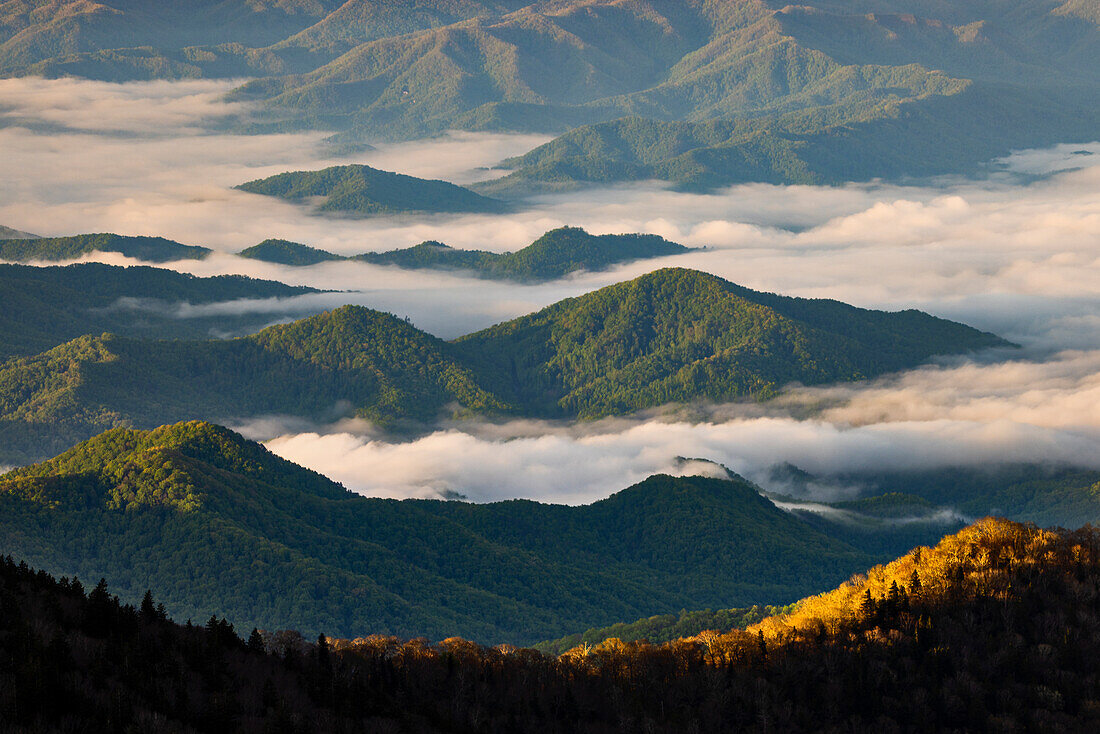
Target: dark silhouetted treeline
995,629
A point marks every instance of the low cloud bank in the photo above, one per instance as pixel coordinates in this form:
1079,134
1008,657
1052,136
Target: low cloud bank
1017,254
948,415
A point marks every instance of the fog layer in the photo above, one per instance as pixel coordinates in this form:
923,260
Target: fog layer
1017,253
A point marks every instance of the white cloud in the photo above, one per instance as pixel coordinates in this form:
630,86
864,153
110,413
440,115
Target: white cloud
1012,254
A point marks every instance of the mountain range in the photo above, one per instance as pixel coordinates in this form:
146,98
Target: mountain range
47,306
146,249
695,92
672,335
557,253
213,522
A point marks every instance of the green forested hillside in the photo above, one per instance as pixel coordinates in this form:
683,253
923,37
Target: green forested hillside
352,360
933,136
766,91
285,252
1043,494
556,254
148,249
47,306
676,335
987,630
672,335
214,523
365,191
7,233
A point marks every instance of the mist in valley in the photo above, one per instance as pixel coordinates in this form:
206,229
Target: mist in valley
1017,253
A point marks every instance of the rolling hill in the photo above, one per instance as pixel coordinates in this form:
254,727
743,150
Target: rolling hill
759,90
284,252
672,335
205,517
147,249
677,335
364,191
556,254
7,233
352,360
47,306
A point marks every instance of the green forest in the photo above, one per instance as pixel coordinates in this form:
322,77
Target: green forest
146,249
364,191
204,517
680,335
993,628
671,335
556,254
48,306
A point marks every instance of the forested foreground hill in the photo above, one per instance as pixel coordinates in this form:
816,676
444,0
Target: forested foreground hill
993,629
48,306
671,335
215,523
557,253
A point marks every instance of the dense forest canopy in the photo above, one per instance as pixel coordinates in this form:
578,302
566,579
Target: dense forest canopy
994,627
680,335
48,306
203,516
671,335
694,92
146,249
357,190
556,254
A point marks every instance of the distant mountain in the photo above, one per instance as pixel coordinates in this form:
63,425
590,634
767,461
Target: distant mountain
763,91
929,137
365,191
679,335
148,249
669,336
1043,494
284,252
211,521
996,610
7,233
47,306
556,254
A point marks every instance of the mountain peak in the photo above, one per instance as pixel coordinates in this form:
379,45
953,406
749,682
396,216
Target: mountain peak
171,466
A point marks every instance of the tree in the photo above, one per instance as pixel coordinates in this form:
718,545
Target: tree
148,609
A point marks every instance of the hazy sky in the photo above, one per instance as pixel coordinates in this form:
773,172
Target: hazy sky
1016,254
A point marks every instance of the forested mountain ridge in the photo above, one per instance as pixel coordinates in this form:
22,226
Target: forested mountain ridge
7,233
147,249
698,93
677,334
557,253
352,359
990,628
362,191
47,306
672,335
203,516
